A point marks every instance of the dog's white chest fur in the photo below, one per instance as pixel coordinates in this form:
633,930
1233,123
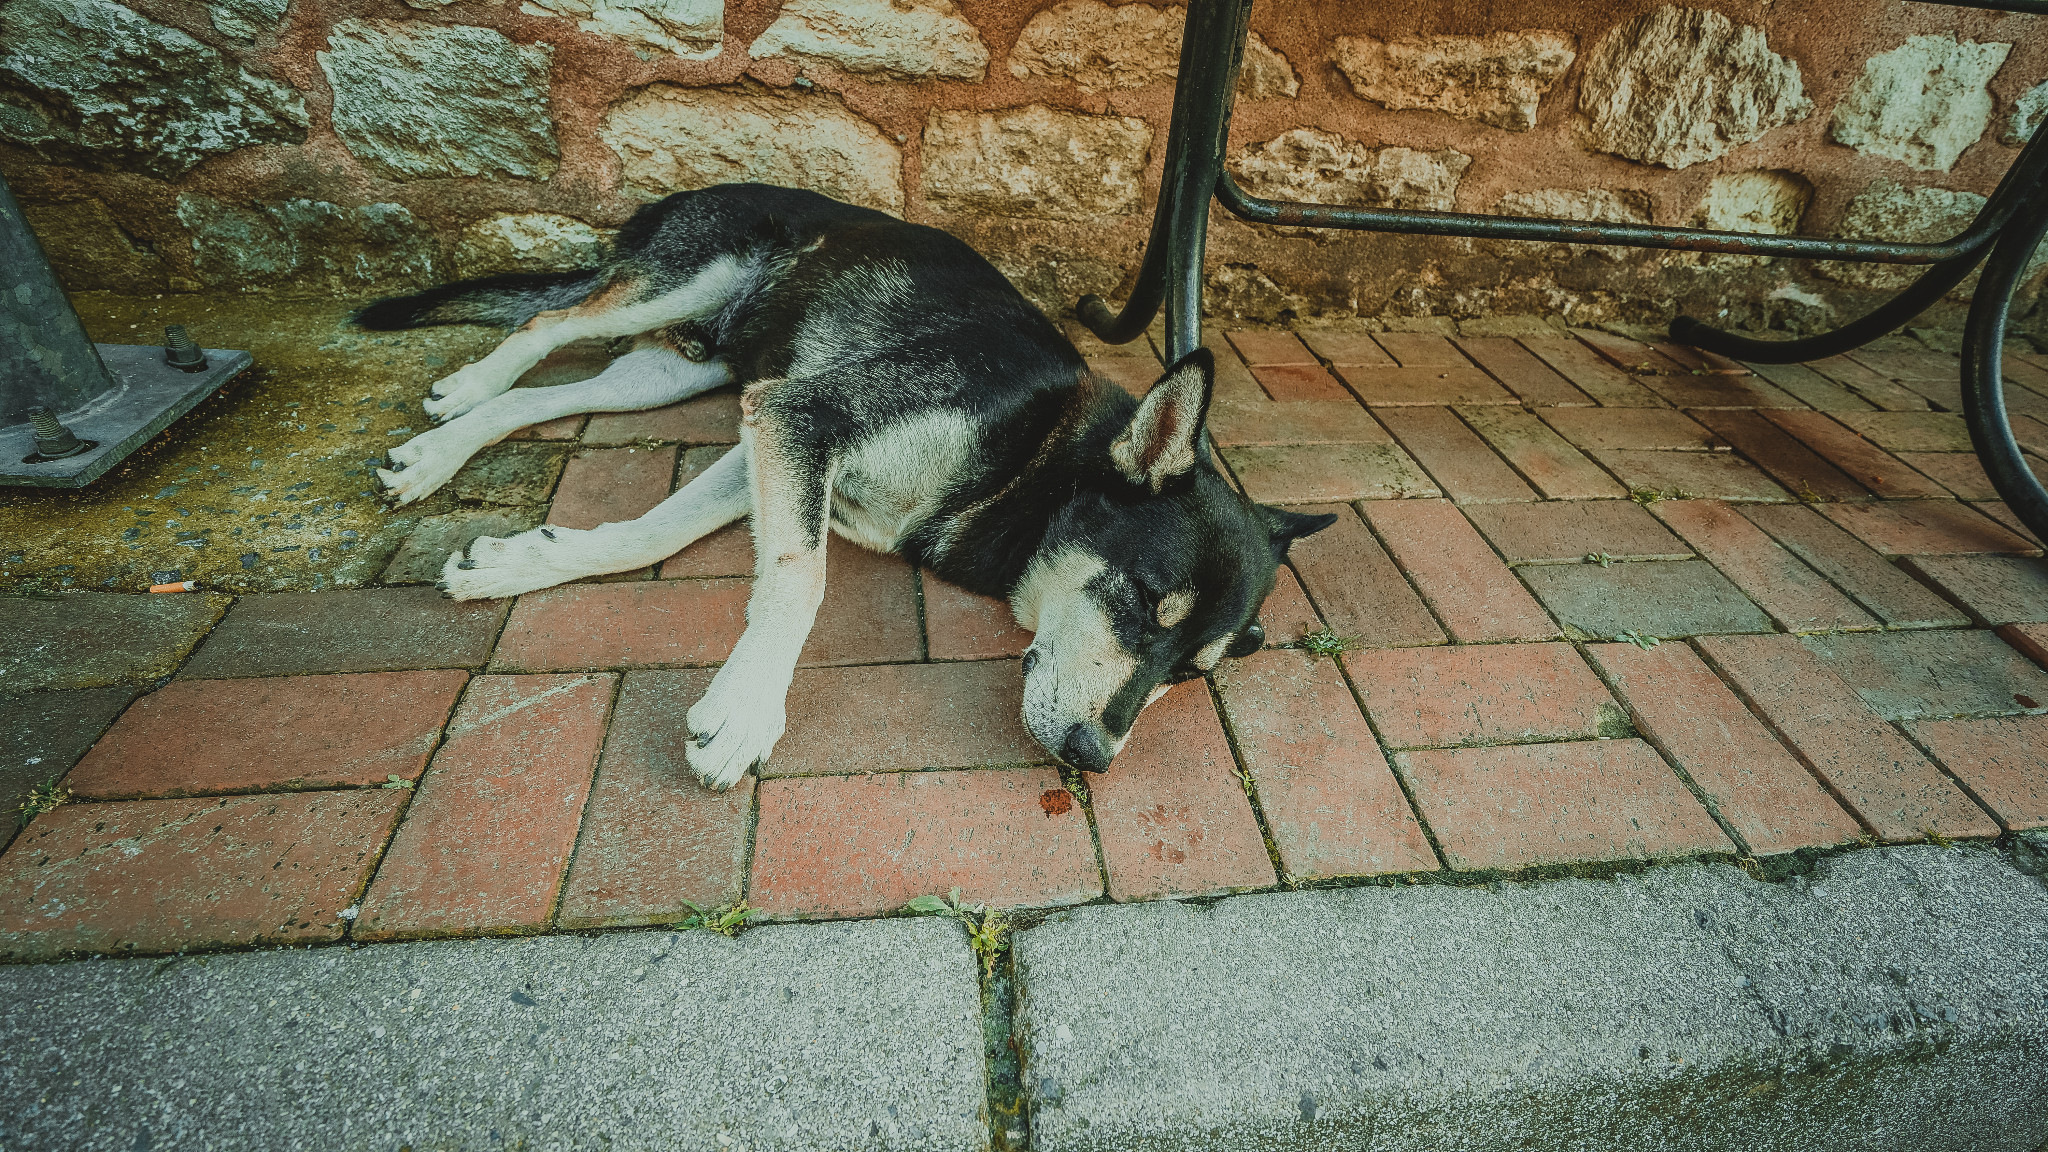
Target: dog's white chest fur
896,477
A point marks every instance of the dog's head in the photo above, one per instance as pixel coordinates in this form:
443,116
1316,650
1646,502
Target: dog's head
1150,574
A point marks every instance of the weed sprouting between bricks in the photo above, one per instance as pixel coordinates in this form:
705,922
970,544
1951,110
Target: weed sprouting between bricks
1324,641
726,921
49,795
987,933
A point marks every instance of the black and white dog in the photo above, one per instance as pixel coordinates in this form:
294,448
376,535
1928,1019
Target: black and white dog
897,390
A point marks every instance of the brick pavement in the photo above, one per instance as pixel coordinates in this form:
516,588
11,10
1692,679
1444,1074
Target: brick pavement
1602,601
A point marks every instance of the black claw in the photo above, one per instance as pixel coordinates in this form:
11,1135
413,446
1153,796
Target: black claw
395,467
441,584
465,565
545,532
433,395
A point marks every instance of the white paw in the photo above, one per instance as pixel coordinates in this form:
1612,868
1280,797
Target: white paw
494,567
421,465
457,393
734,728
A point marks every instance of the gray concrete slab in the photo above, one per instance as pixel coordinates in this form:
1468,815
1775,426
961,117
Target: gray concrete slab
803,1036
1893,999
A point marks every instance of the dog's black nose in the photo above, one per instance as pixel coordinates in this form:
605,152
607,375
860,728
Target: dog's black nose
1086,748
1248,641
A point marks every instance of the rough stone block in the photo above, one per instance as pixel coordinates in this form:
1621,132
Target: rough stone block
1314,166
1922,103
904,39
1680,86
1497,79
668,137
1923,674
414,100
1035,161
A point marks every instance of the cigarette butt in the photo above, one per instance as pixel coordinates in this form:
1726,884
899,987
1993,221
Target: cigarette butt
186,586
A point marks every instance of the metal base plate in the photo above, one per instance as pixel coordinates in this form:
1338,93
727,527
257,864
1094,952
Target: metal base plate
148,396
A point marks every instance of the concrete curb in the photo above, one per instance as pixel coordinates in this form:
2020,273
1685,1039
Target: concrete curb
829,1036
1893,999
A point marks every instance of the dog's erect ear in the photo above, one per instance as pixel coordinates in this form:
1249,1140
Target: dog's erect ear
1286,527
1161,440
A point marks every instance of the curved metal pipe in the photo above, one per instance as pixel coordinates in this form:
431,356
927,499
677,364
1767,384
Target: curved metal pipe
1932,285
1984,372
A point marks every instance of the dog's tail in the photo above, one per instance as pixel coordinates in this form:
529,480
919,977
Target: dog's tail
509,301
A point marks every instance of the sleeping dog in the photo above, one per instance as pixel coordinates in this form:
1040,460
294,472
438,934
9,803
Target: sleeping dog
897,390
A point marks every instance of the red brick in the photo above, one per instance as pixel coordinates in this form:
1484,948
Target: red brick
1889,594
1811,388
1133,374
709,419
870,611
1341,348
560,428
1342,421
1234,382
1557,803
2004,760
902,717
1568,531
1747,777
1556,468
1631,356
487,838
1319,474
1330,800
1899,361
1864,462
1298,383
1432,384
1719,390
195,737
1926,528
1287,615
1879,776
1997,510
608,485
1910,431
960,625
647,623
1710,475
1421,350
1797,597
1481,694
2031,640
1648,428
1959,472
1263,348
1591,373
1800,469
1528,377
165,875
727,552
1357,589
1692,359
2031,433
1172,814
1459,576
655,840
1872,386
1995,590
1462,464
866,845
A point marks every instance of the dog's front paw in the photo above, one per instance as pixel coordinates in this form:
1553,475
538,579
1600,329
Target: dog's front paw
419,467
507,567
729,740
455,394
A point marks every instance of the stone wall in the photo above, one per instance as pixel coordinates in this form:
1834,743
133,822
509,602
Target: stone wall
360,146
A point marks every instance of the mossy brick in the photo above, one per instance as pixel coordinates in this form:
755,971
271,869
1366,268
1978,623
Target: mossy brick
1665,599
1568,531
867,845
1876,772
1591,373
93,639
1910,431
42,734
1811,388
425,552
488,835
359,630
1483,694
1758,787
713,418
1329,798
169,875
1859,459
1924,674
904,717
1172,815
1533,381
1433,385
282,733
1531,804
655,840
507,474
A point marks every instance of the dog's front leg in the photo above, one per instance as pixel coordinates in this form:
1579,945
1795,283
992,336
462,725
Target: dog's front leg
735,726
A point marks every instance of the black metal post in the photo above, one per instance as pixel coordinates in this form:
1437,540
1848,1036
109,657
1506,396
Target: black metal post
45,359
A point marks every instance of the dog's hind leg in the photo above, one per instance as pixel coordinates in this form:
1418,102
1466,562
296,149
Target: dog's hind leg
647,377
547,556
742,715
625,307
